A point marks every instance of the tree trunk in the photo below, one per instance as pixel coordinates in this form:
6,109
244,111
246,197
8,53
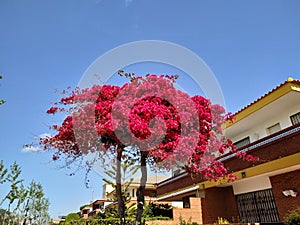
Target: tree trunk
141,190
121,203
26,212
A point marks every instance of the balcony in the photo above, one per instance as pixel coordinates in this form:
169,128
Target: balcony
275,146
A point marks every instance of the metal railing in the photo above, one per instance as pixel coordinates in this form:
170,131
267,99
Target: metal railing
266,140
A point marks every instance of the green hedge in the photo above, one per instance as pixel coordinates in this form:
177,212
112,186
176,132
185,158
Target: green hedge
157,218
110,221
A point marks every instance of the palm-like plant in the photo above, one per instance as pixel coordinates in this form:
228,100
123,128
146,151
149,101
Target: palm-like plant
128,170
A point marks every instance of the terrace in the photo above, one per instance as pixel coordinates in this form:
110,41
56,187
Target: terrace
276,146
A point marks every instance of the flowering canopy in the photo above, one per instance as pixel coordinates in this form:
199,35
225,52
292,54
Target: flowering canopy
148,115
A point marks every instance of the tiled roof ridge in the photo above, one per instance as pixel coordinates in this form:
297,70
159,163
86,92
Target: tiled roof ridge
289,80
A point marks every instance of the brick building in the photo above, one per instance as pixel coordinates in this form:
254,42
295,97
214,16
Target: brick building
266,190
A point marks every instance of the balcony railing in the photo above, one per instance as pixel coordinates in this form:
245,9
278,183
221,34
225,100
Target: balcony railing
264,141
290,131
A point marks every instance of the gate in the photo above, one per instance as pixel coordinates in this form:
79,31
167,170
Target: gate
258,206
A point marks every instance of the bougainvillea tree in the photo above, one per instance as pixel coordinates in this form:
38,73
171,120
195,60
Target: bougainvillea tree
146,120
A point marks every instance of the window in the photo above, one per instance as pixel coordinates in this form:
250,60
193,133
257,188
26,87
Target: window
132,192
186,202
295,119
241,143
177,172
273,129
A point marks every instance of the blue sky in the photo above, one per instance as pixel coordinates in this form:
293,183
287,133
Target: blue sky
251,46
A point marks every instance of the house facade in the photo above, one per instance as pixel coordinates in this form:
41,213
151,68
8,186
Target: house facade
266,190
150,189
93,208
99,205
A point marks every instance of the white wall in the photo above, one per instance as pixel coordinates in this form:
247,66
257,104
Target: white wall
251,184
177,204
106,188
259,131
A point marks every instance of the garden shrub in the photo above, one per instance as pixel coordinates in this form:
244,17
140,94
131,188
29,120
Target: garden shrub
157,218
222,221
158,210
293,217
108,221
189,222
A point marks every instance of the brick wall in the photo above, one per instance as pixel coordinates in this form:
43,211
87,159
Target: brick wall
150,193
219,202
287,181
285,146
194,213
161,222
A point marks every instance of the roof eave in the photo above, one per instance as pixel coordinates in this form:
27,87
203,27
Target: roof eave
276,93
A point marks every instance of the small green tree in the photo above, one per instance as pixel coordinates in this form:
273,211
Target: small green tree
11,177
36,206
3,173
128,170
24,205
72,217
